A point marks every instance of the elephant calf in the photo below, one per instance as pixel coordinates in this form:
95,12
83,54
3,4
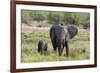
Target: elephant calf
42,46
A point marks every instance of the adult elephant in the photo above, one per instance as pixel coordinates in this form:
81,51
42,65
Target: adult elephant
60,36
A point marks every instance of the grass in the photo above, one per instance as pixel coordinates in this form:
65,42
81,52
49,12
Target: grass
29,47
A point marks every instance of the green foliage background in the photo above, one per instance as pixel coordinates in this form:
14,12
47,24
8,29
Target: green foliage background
77,18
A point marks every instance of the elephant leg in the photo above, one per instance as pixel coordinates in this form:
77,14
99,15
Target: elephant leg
59,51
41,52
55,49
54,45
62,47
67,48
45,48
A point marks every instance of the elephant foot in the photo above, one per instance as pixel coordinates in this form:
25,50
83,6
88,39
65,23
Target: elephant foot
59,54
66,55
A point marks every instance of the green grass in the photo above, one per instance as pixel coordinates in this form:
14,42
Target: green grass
29,47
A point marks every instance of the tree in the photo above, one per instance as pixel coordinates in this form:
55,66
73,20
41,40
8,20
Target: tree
77,18
25,16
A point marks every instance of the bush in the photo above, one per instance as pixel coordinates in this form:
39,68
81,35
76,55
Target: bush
56,17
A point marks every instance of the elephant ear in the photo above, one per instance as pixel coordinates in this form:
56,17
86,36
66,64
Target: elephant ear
72,30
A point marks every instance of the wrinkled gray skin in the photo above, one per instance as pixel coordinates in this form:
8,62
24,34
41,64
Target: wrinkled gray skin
60,35
72,30
42,46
